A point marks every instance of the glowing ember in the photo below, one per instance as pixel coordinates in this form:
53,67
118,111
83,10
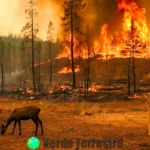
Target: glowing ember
95,88
41,63
29,91
66,70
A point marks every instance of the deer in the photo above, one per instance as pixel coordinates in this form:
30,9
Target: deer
24,113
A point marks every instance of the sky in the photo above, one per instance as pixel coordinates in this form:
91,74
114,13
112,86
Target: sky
13,18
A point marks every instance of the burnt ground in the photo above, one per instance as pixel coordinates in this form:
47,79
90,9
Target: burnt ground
123,119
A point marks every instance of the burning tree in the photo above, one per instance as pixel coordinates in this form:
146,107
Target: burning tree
30,31
133,46
50,39
135,32
72,21
87,67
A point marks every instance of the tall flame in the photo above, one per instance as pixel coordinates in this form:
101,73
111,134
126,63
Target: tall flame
133,11
66,70
108,45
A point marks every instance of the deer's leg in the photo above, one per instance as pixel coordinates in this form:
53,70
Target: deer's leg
19,123
36,122
15,122
40,124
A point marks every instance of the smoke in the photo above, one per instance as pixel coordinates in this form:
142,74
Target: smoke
50,10
103,11
97,13
146,5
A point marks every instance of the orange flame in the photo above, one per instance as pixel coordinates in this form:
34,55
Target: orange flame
110,46
41,63
66,70
79,48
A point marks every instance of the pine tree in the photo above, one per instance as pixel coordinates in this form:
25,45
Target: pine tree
72,21
30,31
133,46
50,39
87,70
2,47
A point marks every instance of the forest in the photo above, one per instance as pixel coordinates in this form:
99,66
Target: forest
90,74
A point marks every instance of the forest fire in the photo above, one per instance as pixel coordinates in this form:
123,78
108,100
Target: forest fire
66,70
112,45
79,46
41,63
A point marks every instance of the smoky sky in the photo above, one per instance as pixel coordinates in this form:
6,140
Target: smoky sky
98,12
106,11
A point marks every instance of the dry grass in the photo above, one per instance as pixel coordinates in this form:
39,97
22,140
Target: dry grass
127,120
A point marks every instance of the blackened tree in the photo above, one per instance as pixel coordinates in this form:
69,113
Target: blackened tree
2,47
30,31
50,40
133,45
72,21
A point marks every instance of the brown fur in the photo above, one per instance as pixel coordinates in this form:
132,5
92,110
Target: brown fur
24,113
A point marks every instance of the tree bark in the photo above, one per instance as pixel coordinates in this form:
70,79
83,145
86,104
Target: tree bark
33,70
133,64
50,65
2,75
72,48
88,62
9,60
39,70
134,73
14,62
106,67
129,75
85,81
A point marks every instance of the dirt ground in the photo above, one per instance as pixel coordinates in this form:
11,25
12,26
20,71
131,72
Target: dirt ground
115,120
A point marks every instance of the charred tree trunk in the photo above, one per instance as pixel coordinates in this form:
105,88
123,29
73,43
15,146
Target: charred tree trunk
58,45
129,75
133,49
39,71
88,75
8,61
106,82
85,81
32,41
72,47
14,62
24,63
50,64
88,63
134,73
2,75
23,59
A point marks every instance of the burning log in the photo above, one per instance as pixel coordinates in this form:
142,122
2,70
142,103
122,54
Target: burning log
66,70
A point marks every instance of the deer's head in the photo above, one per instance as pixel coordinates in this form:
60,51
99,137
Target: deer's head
3,127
